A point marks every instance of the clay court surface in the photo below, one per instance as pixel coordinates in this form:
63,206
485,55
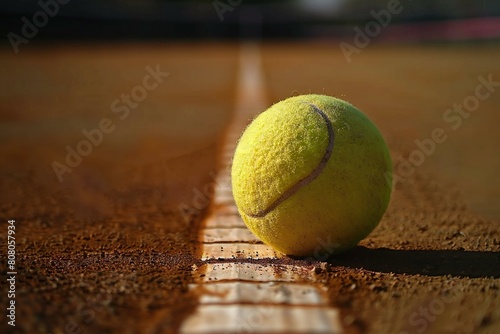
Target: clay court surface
108,249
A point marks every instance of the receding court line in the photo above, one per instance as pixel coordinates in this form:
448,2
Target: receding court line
233,262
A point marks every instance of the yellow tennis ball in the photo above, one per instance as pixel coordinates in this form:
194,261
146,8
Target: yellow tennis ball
311,176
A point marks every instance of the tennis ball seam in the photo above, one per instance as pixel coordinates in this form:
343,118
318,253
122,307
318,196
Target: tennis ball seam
311,176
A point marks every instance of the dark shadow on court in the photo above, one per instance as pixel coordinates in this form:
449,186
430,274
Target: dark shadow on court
422,262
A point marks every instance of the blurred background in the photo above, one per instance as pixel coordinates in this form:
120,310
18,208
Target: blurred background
285,19
182,19
112,112
64,63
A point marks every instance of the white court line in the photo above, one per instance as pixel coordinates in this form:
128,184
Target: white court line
250,297
251,97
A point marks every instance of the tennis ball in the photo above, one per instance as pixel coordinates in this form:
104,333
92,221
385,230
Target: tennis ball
311,176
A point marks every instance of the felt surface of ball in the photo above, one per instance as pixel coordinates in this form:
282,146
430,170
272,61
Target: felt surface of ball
311,175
